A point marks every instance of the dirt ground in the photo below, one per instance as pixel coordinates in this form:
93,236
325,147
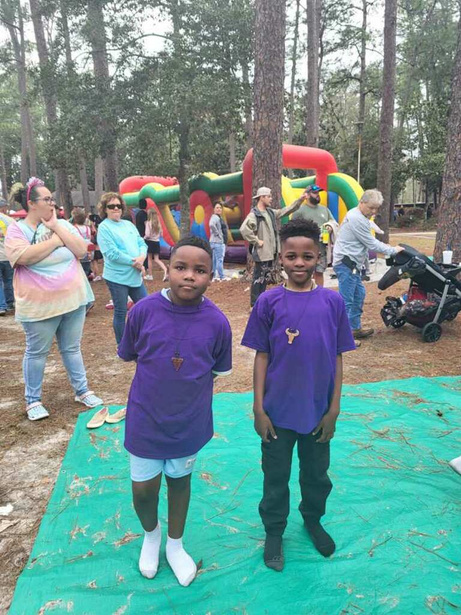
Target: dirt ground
31,453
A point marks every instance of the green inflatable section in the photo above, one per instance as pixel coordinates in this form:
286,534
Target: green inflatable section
225,184
344,185
231,183
394,513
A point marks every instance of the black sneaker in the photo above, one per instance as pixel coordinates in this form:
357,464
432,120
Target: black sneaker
273,553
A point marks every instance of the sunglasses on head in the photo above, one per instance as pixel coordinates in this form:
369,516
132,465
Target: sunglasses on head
114,206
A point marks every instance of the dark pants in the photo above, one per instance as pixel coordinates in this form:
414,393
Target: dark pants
86,265
314,460
261,273
6,283
119,294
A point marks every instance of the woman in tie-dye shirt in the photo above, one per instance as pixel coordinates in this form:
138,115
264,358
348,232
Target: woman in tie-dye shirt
51,293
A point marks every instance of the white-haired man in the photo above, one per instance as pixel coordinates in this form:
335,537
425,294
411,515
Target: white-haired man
260,229
350,252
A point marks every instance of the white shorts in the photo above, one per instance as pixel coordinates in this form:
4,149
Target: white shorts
142,469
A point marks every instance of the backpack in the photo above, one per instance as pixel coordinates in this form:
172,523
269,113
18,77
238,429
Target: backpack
225,232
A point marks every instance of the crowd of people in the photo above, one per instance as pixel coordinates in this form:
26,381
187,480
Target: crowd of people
181,341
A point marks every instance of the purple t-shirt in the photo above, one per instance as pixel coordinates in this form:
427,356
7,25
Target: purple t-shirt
300,376
169,412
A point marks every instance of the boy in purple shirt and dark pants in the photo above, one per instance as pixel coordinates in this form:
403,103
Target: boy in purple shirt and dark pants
299,332
180,341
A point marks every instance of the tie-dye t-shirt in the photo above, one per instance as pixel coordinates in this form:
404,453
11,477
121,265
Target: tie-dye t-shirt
55,285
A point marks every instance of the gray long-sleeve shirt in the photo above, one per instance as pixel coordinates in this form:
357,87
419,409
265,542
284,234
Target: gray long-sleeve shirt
355,239
216,234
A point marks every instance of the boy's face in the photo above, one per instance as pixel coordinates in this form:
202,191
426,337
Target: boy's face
190,275
299,256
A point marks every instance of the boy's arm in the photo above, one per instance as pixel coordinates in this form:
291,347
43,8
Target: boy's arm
262,424
328,423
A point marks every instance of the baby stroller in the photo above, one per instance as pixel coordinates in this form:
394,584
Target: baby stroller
434,294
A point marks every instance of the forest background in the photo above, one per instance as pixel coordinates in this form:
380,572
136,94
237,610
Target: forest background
92,91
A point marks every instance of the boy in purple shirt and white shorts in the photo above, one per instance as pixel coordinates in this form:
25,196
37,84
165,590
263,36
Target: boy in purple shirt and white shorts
299,332
180,341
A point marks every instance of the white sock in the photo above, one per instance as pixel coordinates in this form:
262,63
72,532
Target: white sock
148,560
180,561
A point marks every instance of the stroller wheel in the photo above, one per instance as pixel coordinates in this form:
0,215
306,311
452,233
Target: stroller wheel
432,332
397,323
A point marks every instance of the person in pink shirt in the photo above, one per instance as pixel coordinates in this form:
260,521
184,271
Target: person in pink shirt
51,292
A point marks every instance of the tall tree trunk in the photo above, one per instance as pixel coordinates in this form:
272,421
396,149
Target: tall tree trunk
98,178
183,117
107,134
247,107
294,62
25,173
449,215
268,95
313,8
84,183
48,83
27,114
66,36
183,176
412,64
4,174
13,20
362,91
232,156
386,127
71,74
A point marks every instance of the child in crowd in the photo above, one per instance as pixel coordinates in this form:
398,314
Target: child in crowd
180,341
79,223
152,238
299,332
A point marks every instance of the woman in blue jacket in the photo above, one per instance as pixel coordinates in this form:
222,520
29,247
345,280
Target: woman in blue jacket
124,252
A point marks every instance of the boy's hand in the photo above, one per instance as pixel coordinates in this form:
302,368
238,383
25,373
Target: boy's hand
264,427
327,426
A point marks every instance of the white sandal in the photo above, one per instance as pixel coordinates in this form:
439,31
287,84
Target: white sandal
36,411
98,419
117,416
89,399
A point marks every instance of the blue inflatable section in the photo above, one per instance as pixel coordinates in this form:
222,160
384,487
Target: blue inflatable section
198,230
333,204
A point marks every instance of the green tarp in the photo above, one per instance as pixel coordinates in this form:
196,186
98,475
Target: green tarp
394,513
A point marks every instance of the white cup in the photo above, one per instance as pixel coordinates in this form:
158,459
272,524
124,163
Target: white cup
447,257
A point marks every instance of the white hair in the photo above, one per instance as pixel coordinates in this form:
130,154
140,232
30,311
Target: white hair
372,197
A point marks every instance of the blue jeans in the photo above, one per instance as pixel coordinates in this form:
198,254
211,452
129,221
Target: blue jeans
6,285
218,249
119,294
353,292
68,329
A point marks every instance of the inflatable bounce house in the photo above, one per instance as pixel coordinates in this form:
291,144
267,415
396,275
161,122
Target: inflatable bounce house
235,190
